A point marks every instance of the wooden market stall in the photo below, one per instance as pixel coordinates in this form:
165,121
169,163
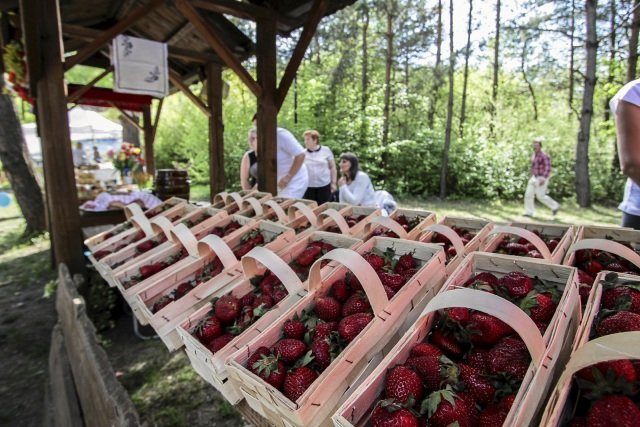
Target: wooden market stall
203,37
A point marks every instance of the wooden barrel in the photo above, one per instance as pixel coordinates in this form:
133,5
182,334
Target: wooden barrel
172,183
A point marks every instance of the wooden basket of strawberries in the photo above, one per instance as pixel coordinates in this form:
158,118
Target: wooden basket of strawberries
458,236
351,220
236,313
402,224
304,219
297,254
249,206
473,357
599,385
116,233
544,241
331,338
275,209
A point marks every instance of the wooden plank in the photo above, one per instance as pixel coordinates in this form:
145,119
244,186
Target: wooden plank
267,111
127,117
315,15
104,400
84,89
177,82
53,126
243,10
112,32
61,398
216,130
216,44
29,24
148,141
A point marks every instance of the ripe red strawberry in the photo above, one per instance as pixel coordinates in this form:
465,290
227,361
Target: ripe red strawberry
323,330
402,383
101,254
492,416
477,358
218,343
181,290
340,290
376,261
408,274
516,249
486,329
540,307
552,245
357,303
164,301
279,294
534,254
294,328
622,321
425,349
484,278
405,262
150,269
297,382
208,329
613,410
461,315
621,368
584,278
243,249
476,384
145,246
268,367
328,308
434,371
393,417
321,351
447,343
353,282
393,280
517,284
227,308
309,255
390,292
616,266
265,301
289,350
444,408
509,356
351,326
592,267
619,295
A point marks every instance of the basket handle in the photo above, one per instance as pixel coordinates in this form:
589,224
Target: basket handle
365,274
305,211
233,197
491,304
448,232
132,209
218,246
282,216
142,222
161,224
274,263
255,205
608,246
337,218
220,197
521,232
182,234
386,222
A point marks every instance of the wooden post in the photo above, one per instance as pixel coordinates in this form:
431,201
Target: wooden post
267,110
149,135
217,181
62,197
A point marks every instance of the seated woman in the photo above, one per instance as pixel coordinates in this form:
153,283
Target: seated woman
249,167
355,186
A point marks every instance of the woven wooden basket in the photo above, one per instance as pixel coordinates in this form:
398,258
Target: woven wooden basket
426,218
607,239
564,233
361,356
331,217
304,219
547,352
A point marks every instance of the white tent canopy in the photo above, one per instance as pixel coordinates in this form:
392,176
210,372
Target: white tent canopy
85,126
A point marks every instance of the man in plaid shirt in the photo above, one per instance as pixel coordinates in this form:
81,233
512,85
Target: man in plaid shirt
539,181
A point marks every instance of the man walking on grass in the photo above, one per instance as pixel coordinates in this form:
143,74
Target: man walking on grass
539,181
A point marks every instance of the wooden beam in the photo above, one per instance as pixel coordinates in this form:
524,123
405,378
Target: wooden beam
89,34
242,10
127,117
157,119
218,46
148,141
84,89
216,130
53,126
267,121
177,82
112,32
30,31
315,15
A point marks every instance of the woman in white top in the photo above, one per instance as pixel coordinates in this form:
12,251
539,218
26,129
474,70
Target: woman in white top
355,186
249,166
321,168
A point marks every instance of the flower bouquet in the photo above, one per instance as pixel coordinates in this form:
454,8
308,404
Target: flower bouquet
127,161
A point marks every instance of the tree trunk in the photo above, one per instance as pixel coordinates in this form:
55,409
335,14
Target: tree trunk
523,69
612,55
572,31
467,53
447,137
496,70
17,164
583,186
437,71
632,62
391,10
365,58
